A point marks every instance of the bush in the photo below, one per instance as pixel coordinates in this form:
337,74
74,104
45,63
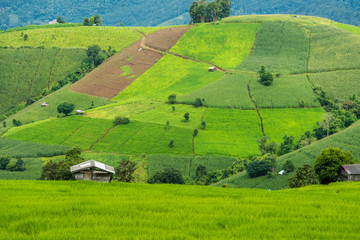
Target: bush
266,78
289,166
261,165
4,161
168,175
66,108
16,123
121,120
172,98
171,143
11,167
304,176
198,102
124,172
328,164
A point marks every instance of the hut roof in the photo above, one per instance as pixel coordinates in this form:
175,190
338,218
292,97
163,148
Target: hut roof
91,164
352,169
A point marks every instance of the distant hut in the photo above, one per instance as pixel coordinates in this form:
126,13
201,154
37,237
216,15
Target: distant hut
53,22
80,112
44,104
212,69
92,171
350,172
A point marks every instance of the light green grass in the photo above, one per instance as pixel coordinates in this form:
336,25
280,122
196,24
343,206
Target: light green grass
229,132
349,28
186,164
227,92
338,84
170,75
52,210
51,131
130,109
73,37
347,140
285,91
282,47
289,121
32,172
299,19
14,148
25,73
333,49
35,112
164,113
225,45
126,70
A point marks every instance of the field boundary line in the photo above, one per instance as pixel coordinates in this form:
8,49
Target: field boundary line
257,109
75,131
98,140
52,66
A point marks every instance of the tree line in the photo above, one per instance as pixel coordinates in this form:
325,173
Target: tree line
201,11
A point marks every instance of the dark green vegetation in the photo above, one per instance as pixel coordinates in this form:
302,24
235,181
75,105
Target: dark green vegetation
52,209
151,13
26,72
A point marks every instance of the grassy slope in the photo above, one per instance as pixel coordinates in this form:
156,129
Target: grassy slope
170,75
224,45
282,47
52,210
333,49
75,37
27,72
338,84
229,91
347,140
32,172
35,112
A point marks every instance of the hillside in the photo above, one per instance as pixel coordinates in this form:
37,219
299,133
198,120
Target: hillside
56,209
237,110
150,13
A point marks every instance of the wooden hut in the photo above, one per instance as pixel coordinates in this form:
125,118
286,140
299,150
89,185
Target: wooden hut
350,172
92,171
212,69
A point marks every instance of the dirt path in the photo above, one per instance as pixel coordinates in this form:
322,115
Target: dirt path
257,109
107,132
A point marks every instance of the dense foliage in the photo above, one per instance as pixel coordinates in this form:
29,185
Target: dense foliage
209,12
151,13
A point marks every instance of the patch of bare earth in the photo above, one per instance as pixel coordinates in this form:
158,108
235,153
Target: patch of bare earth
107,80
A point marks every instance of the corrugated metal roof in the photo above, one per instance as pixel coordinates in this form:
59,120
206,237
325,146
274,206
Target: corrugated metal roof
91,164
352,169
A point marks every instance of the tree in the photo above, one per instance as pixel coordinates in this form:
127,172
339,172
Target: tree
224,9
16,123
86,22
4,161
304,176
328,164
266,78
124,172
171,143
66,108
260,166
203,125
198,102
201,175
194,13
4,124
213,177
93,52
288,166
195,133
59,20
97,20
172,98
187,116
212,11
26,36
168,175
121,120
287,145
265,147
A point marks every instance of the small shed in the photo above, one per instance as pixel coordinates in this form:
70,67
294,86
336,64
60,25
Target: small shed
212,69
44,104
80,112
350,172
92,171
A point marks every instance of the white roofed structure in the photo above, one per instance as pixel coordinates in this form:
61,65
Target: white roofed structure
92,171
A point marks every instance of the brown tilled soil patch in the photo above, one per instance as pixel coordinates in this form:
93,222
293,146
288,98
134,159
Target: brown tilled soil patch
106,80
166,38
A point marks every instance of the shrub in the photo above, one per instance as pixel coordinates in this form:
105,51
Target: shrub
328,164
266,78
304,176
124,172
66,108
289,166
16,122
198,102
168,175
121,120
261,165
11,167
214,177
171,143
4,161
187,116
172,98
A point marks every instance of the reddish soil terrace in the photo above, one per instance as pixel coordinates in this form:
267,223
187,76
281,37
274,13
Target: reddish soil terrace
106,80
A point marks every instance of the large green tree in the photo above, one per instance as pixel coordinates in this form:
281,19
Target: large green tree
328,164
66,108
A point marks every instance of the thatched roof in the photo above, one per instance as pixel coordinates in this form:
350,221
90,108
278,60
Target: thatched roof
91,164
352,169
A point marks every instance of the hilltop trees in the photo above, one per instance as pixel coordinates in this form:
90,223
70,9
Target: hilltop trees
93,20
201,11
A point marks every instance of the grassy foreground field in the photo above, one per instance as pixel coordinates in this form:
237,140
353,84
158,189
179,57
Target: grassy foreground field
74,210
